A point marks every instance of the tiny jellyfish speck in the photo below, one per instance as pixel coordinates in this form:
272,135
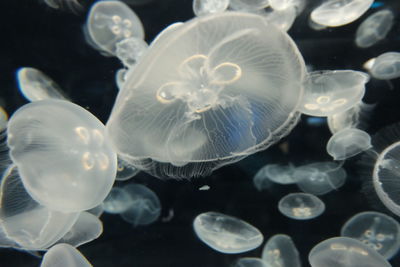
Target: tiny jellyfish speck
64,255
280,251
386,66
301,206
347,143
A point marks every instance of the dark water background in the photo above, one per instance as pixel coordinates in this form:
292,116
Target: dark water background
32,34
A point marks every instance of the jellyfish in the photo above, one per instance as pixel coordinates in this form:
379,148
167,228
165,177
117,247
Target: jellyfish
248,5
320,178
120,77
144,208
250,262
334,13
192,105
130,50
345,252
280,251
386,66
285,4
283,19
376,230
280,174
206,7
330,92
347,143
125,171
301,206
64,255
34,85
374,28
97,211
117,201
315,26
65,164
226,234
110,22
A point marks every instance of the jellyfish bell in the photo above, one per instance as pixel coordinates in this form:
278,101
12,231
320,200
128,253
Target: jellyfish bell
386,66
301,206
280,250
66,165
64,255
347,143
191,106
248,5
330,92
206,7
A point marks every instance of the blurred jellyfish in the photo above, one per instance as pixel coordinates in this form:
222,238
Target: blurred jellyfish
320,178
144,208
386,66
280,251
64,255
330,92
374,28
34,85
97,211
301,206
226,234
369,63
206,7
71,5
125,171
376,230
315,26
109,22
248,5
250,262
345,252
130,50
334,13
117,201
280,174
347,143
57,157
286,4
120,77
210,103
283,19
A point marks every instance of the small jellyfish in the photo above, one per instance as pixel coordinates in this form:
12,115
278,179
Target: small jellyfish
250,262
347,143
280,251
64,255
206,7
283,19
376,230
334,13
130,50
386,66
345,252
374,28
248,5
301,206
280,174
34,85
65,164
320,178
144,208
110,22
226,234
117,201
125,171
330,92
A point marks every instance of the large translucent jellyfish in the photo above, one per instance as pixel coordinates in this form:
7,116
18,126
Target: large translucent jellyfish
345,252
347,143
334,13
374,28
280,174
64,255
110,22
226,234
248,5
144,208
280,251
376,230
34,85
250,262
206,7
386,66
194,104
65,164
301,206
320,178
117,201
330,92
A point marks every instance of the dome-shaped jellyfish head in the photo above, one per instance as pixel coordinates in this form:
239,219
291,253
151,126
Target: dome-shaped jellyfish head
208,93
63,155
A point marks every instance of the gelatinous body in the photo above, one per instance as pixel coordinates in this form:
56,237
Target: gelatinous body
64,255
226,234
130,50
250,262
117,201
283,19
190,107
301,206
376,230
348,143
125,171
280,174
248,5
386,66
286,4
280,251
206,7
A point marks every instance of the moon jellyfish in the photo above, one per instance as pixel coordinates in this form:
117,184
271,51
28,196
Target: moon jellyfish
280,251
117,201
345,252
376,230
130,50
330,92
320,178
301,206
334,13
34,85
192,105
386,66
283,19
374,28
248,5
144,208
347,143
125,171
226,234
64,255
65,164
250,262
280,174
110,22
206,7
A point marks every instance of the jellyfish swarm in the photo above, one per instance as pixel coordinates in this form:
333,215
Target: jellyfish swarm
207,93
280,251
64,255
